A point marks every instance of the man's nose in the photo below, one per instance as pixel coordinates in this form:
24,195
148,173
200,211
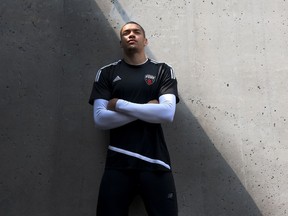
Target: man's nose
131,35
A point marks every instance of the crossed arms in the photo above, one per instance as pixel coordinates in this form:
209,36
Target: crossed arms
118,112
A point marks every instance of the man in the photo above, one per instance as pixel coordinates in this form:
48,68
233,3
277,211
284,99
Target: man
132,97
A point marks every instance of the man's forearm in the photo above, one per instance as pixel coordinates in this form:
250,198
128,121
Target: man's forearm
150,112
106,119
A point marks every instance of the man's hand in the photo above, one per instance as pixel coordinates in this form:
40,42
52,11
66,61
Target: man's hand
112,104
153,101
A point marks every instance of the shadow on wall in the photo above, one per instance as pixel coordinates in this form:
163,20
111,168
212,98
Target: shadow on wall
61,166
206,183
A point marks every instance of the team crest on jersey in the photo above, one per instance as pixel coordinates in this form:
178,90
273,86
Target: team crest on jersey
149,79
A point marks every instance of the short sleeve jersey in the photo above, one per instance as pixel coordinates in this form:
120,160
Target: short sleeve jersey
137,145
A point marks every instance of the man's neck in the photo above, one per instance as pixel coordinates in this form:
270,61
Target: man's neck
135,58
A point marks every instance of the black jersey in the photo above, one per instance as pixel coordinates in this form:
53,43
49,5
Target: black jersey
139,144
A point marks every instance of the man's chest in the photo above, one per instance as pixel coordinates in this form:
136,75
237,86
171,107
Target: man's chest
133,84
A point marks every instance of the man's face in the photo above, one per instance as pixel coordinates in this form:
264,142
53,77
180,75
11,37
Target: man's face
132,38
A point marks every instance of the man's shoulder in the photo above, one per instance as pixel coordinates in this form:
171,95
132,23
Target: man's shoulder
160,63
164,69
106,70
111,65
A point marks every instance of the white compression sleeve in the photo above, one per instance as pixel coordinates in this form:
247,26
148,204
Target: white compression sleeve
153,113
107,119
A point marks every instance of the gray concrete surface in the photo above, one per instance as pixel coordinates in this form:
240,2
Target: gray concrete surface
228,143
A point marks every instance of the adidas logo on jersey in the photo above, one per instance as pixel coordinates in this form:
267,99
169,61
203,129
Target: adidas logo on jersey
117,79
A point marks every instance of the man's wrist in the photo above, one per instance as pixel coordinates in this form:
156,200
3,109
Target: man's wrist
112,104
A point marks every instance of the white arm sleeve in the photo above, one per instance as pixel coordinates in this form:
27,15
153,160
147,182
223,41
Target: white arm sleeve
153,113
107,119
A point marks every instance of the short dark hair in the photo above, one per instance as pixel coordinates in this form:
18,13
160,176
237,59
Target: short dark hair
132,22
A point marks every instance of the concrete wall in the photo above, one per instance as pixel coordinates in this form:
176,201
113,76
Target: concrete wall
228,143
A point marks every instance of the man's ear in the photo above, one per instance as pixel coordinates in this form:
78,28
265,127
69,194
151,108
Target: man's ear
146,42
120,42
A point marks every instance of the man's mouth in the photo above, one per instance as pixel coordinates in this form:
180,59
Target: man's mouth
132,41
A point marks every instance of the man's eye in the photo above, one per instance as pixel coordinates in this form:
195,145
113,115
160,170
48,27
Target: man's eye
125,33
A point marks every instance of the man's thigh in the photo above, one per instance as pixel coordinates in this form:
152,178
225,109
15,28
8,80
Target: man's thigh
159,194
116,193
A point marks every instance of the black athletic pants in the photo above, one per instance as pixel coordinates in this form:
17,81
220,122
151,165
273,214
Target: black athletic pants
118,188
